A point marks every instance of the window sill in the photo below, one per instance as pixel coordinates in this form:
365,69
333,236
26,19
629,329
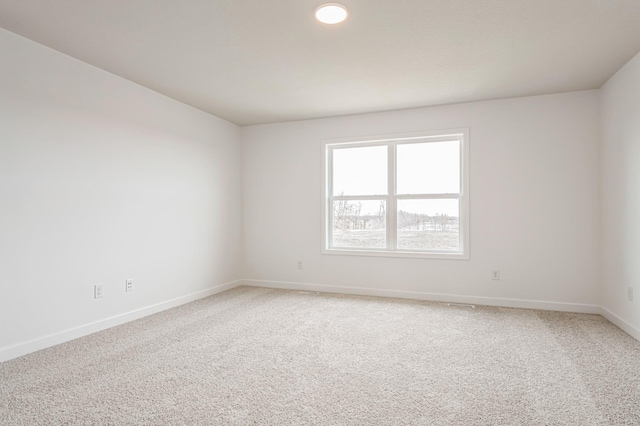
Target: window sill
399,254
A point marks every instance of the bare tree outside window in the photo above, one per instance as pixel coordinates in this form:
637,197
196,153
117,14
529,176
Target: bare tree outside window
359,224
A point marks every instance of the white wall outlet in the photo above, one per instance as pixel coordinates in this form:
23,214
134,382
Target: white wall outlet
495,274
299,264
630,294
97,291
128,286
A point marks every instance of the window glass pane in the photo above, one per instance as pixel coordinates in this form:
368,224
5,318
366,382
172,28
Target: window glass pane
429,168
360,171
359,224
428,225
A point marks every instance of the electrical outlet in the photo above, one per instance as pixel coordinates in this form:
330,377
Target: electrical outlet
630,294
128,286
495,274
97,291
299,264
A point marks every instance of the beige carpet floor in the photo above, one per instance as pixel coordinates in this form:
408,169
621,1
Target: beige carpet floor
274,357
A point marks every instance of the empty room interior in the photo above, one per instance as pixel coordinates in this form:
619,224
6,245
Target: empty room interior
249,212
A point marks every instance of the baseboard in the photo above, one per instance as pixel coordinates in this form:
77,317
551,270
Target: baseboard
435,297
622,324
23,348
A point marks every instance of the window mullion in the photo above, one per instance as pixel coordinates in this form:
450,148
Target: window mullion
427,196
392,208
329,198
360,197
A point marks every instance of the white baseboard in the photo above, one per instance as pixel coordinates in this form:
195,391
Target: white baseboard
23,348
622,324
435,297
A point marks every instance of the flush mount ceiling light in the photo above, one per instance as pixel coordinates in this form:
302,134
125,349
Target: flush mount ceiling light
331,13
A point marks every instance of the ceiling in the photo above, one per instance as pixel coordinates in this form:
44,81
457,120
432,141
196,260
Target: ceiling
258,61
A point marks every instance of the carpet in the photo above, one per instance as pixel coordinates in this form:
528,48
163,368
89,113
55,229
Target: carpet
255,356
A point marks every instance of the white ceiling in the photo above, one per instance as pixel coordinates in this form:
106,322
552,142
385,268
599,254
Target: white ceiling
263,61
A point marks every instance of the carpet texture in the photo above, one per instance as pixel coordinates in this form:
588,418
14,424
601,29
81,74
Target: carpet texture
275,357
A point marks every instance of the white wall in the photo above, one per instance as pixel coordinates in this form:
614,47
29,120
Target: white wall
103,180
534,205
620,161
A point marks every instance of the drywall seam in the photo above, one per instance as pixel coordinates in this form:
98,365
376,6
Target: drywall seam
23,348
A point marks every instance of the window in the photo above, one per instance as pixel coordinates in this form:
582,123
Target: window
405,195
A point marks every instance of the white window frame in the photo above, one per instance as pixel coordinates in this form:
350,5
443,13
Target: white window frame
391,198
